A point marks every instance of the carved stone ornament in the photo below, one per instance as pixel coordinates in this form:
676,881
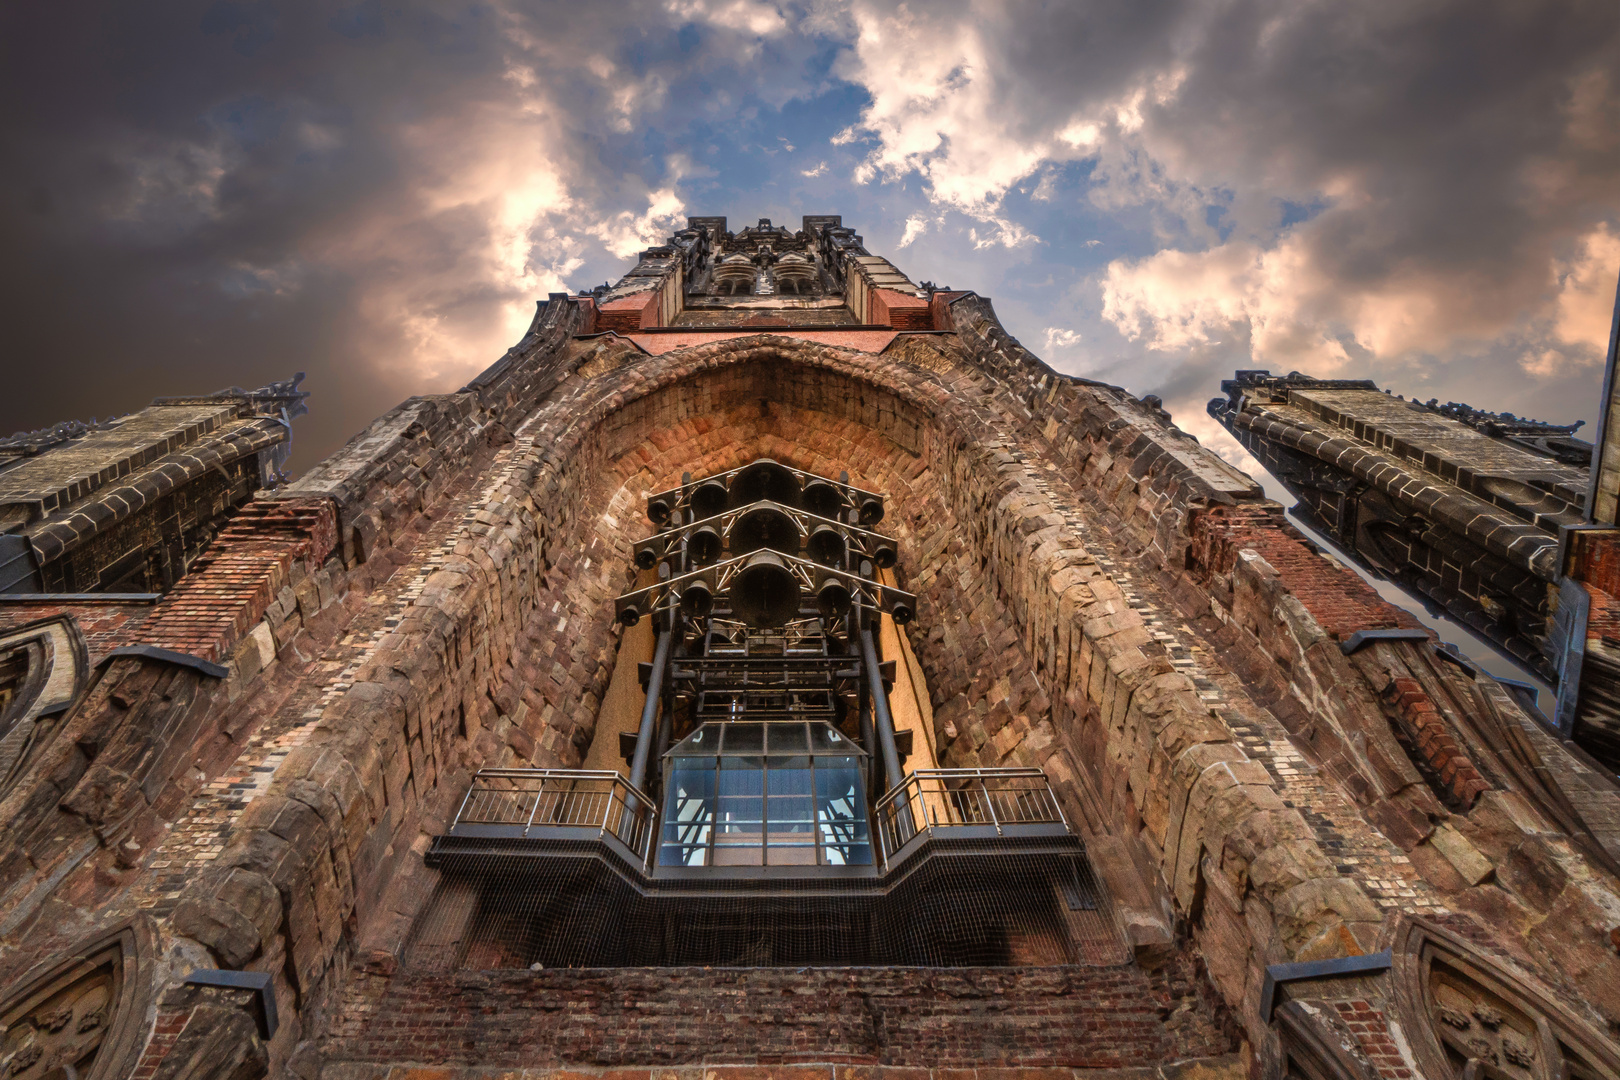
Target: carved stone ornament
1467,1015
43,667
78,1018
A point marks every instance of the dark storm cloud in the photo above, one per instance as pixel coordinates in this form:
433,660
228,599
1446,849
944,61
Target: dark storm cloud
195,195
1156,193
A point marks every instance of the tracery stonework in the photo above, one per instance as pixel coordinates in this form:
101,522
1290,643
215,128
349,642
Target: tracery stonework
42,672
62,1031
81,1015
1485,1020
767,663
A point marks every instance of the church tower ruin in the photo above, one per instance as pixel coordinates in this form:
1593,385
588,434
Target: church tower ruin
767,667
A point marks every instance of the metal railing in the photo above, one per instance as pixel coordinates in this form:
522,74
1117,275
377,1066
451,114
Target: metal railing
533,799
932,799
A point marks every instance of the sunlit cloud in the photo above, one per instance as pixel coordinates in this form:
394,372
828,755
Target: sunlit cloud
1585,304
1058,338
1287,212
1153,195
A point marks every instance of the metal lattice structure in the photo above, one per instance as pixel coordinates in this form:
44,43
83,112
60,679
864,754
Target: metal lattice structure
765,816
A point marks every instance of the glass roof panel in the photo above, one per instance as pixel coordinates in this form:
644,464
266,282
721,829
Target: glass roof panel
729,737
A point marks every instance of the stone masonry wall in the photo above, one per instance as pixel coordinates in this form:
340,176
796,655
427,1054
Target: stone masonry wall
580,415
1242,784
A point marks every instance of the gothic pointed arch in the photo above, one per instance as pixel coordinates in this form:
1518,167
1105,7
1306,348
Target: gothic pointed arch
1470,1016
82,1014
43,669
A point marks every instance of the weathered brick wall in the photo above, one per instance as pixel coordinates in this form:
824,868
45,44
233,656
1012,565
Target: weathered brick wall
994,661
1239,779
214,609
980,526
1031,1017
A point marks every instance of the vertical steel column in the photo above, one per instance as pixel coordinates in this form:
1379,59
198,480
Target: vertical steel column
645,735
666,717
649,712
868,732
884,721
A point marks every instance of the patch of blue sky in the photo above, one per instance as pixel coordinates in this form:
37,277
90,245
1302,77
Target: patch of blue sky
1293,213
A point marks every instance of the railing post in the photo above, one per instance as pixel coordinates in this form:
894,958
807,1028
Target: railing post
1053,799
990,804
462,809
647,842
535,809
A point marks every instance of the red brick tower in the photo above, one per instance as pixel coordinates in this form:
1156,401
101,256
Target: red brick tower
770,667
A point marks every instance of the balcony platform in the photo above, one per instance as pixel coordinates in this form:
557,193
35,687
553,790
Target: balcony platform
971,867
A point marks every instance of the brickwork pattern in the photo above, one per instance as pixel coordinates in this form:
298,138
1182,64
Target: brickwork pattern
1340,602
1434,741
165,1033
214,608
1371,1029
1076,1017
105,624
1226,1067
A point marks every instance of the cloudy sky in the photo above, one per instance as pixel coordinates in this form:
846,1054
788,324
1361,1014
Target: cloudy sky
194,195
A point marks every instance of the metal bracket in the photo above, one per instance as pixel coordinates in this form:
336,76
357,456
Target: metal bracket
169,656
257,981
1445,650
1367,637
1341,967
1521,690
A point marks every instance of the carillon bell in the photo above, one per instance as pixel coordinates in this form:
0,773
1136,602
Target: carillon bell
764,592
764,480
703,546
827,546
708,499
764,527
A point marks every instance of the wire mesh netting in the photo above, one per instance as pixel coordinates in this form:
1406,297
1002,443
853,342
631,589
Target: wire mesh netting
585,907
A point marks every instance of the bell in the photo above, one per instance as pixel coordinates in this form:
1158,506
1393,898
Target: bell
765,527
647,556
832,597
764,480
658,511
827,546
703,546
871,511
884,555
630,615
823,500
708,500
764,592
696,600
901,614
